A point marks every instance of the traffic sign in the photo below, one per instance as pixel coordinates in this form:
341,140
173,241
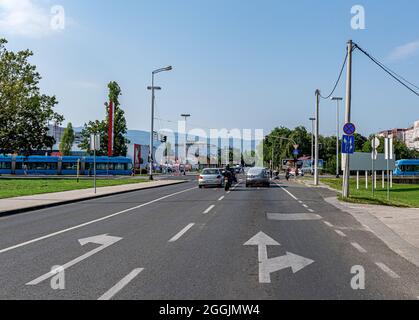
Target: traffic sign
348,145
296,152
296,146
349,129
375,143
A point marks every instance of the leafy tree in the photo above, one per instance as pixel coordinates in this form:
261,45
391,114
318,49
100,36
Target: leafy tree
25,112
67,140
101,127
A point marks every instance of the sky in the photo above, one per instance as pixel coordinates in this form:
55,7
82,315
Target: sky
237,63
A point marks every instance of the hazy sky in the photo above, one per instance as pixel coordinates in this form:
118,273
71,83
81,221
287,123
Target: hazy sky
237,63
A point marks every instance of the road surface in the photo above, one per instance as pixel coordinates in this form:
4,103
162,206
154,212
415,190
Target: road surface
179,242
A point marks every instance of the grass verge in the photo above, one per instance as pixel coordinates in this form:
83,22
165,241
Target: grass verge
10,188
402,195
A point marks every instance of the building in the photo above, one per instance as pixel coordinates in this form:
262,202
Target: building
57,133
409,136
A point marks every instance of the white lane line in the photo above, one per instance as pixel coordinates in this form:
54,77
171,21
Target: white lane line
209,209
311,210
92,222
120,285
340,233
387,270
305,206
358,247
292,196
327,223
182,232
222,198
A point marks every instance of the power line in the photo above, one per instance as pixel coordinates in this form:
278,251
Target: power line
393,74
339,78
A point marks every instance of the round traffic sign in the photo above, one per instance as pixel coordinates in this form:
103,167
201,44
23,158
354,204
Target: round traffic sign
349,129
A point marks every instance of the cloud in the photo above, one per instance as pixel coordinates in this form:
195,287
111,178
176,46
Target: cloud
404,52
25,18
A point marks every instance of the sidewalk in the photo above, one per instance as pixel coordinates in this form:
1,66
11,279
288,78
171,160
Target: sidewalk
29,203
398,228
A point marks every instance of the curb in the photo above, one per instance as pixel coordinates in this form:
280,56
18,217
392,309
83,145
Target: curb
8,213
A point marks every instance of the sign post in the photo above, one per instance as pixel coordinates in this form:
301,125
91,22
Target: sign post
348,147
389,146
95,146
375,145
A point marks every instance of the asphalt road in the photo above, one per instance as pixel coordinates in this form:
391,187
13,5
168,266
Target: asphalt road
180,242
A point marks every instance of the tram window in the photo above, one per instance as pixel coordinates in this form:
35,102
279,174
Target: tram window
42,166
5,165
69,166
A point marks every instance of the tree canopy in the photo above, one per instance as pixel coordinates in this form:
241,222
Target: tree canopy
25,111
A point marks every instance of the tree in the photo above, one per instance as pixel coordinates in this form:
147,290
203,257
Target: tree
101,127
25,112
67,140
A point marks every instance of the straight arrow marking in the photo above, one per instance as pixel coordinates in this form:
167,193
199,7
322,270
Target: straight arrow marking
104,240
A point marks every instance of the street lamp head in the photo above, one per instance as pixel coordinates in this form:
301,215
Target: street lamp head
169,68
336,99
155,88
185,115
312,119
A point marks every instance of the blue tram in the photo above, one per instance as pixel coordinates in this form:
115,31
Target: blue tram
41,165
406,168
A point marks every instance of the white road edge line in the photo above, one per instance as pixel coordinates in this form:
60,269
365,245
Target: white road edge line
92,222
358,247
222,198
292,196
387,270
182,232
340,233
121,284
209,209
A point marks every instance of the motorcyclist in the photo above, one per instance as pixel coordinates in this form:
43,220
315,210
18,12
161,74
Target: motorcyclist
229,174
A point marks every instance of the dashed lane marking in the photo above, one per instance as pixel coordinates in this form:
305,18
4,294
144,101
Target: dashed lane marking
222,198
358,247
340,233
209,209
182,232
387,270
327,223
120,285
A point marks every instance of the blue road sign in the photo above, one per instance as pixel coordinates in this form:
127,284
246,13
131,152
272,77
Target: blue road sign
348,144
296,152
349,129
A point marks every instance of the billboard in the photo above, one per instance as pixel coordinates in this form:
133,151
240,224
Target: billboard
360,161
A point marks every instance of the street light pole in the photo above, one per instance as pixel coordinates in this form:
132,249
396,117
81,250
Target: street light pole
186,116
316,152
153,88
337,99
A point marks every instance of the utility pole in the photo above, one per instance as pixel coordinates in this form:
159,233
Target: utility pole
316,152
186,116
346,177
312,143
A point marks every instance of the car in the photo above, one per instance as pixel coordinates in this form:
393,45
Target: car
257,177
211,178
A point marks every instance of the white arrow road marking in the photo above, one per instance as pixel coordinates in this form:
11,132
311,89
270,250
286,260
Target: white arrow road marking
120,285
103,240
262,241
290,260
268,266
93,221
182,232
293,217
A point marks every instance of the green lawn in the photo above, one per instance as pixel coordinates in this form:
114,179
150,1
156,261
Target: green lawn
10,188
402,195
